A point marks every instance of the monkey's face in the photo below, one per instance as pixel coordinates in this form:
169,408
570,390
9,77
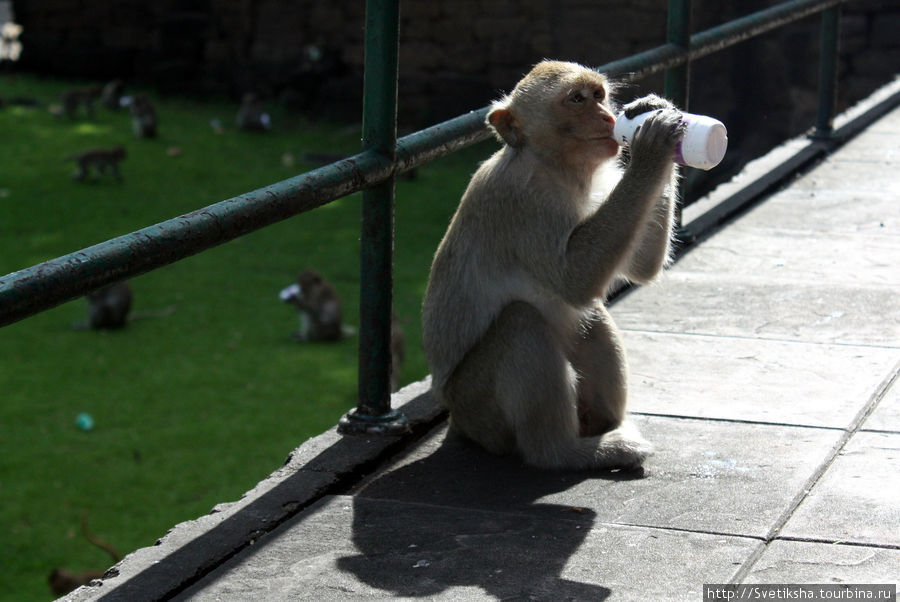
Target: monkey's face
562,110
582,119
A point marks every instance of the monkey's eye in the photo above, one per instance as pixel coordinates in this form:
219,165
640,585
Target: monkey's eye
577,97
599,94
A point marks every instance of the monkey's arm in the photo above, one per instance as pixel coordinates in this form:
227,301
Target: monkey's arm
651,253
601,246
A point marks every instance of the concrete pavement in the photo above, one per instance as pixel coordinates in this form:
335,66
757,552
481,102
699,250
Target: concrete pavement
764,367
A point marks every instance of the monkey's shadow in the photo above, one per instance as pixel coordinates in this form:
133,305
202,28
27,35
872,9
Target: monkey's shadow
462,517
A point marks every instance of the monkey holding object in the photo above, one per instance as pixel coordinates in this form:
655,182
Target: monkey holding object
101,159
251,115
319,308
522,351
318,305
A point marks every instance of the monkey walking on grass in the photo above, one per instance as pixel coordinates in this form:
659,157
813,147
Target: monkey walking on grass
102,160
521,349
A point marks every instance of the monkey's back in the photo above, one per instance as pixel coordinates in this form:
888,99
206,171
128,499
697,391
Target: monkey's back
478,270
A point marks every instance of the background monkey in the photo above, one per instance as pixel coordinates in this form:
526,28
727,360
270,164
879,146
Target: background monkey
318,305
143,117
101,159
77,97
111,95
522,351
108,307
62,581
251,115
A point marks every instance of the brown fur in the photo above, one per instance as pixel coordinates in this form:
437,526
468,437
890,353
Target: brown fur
143,117
251,115
521,349
79,97
319,306
101,159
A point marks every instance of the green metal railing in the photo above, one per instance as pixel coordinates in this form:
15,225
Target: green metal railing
51,283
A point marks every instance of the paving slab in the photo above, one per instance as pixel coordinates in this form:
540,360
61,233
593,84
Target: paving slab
714,477
858,498
783,382
886,416
813,562
787,256
836,314
361,548
809,207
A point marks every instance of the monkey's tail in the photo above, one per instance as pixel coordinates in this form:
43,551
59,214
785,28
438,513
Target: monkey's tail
97,541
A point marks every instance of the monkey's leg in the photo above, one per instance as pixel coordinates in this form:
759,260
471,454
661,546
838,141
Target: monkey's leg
516,387
599,359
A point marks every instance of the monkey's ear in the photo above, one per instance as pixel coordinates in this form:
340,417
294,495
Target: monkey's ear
505,126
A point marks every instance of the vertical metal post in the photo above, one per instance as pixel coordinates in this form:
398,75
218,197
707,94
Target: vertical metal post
677,80
373,412
828,71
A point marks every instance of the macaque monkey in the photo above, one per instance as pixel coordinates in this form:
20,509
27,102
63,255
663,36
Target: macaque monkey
143,117
111,95
318,306
108,307
252,115
522,350
62,581
78,97
101,159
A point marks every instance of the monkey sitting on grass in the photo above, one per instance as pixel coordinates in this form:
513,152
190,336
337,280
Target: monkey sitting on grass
521,348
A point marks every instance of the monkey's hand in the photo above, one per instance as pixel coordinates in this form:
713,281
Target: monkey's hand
656,139
651,102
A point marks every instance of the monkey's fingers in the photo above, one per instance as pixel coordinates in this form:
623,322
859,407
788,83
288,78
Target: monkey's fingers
648,103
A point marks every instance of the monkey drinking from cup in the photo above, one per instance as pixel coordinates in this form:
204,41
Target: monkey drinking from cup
522,350
101,159
318,305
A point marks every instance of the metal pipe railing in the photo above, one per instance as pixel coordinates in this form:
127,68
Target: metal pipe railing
373,411
828,71
678,79
53,282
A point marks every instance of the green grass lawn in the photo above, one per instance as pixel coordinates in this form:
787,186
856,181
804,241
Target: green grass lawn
194,408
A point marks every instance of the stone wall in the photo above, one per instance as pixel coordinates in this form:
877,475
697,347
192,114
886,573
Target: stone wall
455,55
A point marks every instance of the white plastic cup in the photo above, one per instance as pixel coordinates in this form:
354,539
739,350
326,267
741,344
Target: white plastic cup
703,145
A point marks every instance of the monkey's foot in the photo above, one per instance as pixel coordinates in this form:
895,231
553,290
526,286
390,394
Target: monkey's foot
623,447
